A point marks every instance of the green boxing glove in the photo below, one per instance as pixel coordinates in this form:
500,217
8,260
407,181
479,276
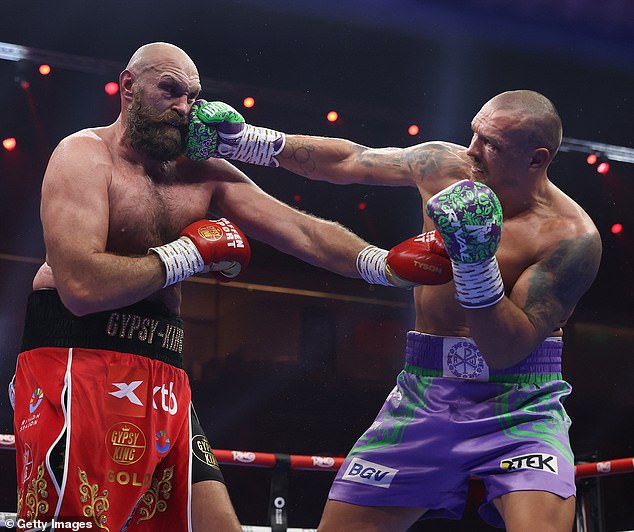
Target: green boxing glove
217,130
468,216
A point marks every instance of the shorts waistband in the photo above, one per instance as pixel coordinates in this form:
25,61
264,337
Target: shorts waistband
145,328
459,357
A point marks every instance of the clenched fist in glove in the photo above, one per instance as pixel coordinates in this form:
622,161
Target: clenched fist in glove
420,260
468,216
218,130
206,245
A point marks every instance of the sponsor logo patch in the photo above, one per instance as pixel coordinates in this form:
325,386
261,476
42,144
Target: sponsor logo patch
127,391
366,472
36,399
162,442
537,461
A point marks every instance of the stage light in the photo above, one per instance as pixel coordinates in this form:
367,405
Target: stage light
332,116
603,168
592,158
362,205
9,143
45,69
413,130
297,198
248,102
111,88
23,73
616,229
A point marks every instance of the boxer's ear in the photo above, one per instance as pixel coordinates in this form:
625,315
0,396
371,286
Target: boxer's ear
126,82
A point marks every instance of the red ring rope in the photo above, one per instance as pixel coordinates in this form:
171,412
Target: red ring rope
331,463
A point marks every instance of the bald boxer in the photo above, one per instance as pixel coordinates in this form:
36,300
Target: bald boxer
482,390
104,426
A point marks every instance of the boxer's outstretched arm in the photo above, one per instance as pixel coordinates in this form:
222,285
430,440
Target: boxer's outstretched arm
75,219
319,242
344,162
217,130
324,243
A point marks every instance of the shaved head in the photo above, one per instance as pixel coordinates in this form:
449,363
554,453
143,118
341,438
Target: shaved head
536,117
158,53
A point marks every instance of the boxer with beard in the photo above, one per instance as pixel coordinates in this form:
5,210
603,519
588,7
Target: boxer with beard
104,426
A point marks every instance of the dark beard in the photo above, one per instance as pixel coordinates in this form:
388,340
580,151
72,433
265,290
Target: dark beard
150,134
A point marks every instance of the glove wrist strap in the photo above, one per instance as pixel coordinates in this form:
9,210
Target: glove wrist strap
371,264
181,259
257,145
478,285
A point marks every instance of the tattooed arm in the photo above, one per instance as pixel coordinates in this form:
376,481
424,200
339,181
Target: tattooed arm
344,162
540,302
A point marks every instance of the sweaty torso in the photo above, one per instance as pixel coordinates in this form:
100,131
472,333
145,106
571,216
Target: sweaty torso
148,206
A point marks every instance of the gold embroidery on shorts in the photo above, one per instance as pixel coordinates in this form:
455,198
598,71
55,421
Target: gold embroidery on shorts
20,493
36,491
97,504
155,498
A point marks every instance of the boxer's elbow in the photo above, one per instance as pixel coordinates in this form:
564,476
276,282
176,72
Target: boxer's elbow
78,296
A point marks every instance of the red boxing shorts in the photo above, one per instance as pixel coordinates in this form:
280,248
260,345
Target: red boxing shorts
103,419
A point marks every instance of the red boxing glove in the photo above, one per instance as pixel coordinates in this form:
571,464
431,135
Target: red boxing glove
223,247
419,260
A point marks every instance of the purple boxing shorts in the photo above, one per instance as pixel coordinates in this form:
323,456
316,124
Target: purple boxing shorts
451,417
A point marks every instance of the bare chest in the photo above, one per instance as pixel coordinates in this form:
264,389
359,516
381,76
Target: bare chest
146,212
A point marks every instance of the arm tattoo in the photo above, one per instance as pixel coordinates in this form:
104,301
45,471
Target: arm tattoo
559,282
437,158
301,154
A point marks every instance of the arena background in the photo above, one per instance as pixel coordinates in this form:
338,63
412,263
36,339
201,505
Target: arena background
294,359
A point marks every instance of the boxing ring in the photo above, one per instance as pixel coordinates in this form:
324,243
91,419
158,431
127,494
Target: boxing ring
589,509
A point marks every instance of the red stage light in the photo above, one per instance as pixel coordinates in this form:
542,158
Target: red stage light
248,102
603,168
591,159
297,198
413,130
111,88
616,229
24,84
332,116
45,70
362,205
9,143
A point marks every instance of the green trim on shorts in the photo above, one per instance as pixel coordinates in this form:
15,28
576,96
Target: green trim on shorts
526,378
547,432
380,439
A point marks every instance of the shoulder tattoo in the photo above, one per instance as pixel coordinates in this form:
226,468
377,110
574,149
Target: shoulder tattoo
560,280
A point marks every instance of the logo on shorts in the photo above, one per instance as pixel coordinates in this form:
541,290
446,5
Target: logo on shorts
125,443
366,472
36,399
127,391
168,402
538,461
162,441
463,360
27,463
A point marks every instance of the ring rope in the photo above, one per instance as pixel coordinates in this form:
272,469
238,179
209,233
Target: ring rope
332,463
